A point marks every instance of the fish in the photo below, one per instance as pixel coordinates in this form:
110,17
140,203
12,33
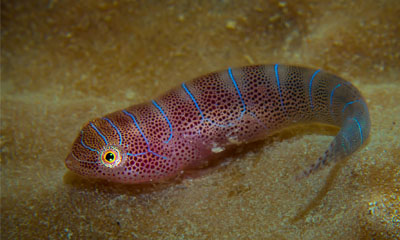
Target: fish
184,128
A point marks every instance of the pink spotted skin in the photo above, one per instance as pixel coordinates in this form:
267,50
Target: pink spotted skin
185,127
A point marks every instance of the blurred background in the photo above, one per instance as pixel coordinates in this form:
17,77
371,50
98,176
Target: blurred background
66,62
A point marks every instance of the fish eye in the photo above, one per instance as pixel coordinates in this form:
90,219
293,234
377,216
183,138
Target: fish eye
110,157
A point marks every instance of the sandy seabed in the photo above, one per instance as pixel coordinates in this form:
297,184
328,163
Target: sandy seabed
66,62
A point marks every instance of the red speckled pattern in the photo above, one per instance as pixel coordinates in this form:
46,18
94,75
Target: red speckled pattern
183,128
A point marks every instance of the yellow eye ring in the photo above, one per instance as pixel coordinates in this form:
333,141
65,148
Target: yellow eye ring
110,157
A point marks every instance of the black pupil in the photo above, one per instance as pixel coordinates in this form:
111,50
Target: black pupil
110,157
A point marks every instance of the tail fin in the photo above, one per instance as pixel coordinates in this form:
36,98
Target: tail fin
353,134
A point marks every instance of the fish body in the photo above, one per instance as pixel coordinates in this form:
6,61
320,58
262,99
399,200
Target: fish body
186,126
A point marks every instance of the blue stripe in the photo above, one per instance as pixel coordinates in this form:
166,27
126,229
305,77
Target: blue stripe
166,118
310,87
279,84
101,135
143,153
158,155
203,118
364,105
144,137
194,100
116,129
137,125
331,97
347,104
85,146
359,129
237,88
73,155
134,155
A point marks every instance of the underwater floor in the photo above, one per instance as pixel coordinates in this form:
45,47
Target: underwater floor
64,63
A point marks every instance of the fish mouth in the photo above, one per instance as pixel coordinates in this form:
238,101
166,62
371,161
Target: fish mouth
70,162
73,164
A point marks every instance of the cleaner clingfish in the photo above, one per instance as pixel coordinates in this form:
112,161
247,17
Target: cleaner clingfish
186,126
